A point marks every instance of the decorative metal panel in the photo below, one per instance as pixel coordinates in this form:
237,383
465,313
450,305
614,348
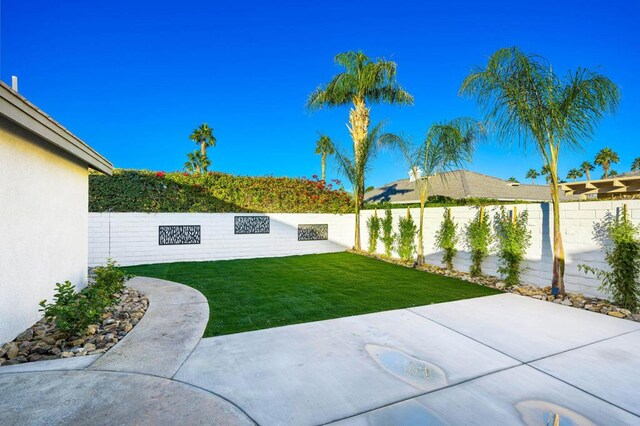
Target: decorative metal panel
313,232
178,234
252,224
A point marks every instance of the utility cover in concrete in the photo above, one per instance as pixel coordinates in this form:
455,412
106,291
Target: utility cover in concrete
319,372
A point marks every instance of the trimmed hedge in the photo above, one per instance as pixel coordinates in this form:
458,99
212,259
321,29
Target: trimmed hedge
147,191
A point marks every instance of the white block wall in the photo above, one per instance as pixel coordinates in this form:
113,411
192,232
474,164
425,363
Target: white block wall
577,224
132,238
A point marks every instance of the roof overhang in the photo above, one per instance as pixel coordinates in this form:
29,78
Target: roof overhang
613,185
26,115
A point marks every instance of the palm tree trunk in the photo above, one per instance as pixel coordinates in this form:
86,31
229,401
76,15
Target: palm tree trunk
588,174
324,162
359,127
557,282
203,149
420,258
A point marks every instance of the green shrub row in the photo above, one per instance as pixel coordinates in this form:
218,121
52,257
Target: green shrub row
72,312
146,191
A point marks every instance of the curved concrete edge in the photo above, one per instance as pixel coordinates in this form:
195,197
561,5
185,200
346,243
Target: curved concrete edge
165,336
98,397
75,363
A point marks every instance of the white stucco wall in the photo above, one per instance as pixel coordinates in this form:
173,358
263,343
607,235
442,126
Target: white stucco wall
577,224
132,238
43,225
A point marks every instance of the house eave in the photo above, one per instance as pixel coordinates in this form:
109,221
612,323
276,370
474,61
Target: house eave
26,115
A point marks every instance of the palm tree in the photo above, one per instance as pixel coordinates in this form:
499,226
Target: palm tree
355,166
512,179
574,174
532,174
635,166
324,147
447,145
363,81
604,158
196,163
587,167
203,136
525,99
546,172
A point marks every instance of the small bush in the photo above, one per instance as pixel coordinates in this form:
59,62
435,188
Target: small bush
387,231
373,224
447,238
73,311
407,231
623,257
512,238
478,239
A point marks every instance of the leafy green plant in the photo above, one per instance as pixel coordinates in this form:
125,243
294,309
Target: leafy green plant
447,238
387,231
373,224
407,231
512,239
73,311
146,191
623,257
478,239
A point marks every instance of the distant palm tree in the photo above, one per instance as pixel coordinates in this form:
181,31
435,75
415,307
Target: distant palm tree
512,179
587,167
533,175
524,99
355,165
448,145
574,174
363,81
324,147
203,136
635,166
546,172
604,158
196,163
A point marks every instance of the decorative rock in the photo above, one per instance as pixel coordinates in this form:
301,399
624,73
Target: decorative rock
605,310
89,347
616,314
91,330
626,312
566,302
12,351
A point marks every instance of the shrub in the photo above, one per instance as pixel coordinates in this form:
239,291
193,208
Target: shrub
72,312
407,231
373,224
446,238
146,191
512,238
387,231
623,258
478,238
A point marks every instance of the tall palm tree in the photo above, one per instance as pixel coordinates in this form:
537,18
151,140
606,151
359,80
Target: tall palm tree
363,81
604,158
635,166
324,147
574,174
355,166
196,163
533,175
525,99
587,168
203,136
447,145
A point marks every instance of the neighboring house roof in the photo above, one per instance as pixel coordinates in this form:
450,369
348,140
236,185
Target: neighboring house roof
626,183
22,112
460,184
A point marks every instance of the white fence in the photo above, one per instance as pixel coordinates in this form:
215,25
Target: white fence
133,238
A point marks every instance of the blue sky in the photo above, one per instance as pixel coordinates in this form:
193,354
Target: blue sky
134,78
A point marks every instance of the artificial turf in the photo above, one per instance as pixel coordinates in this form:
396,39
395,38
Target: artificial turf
252,294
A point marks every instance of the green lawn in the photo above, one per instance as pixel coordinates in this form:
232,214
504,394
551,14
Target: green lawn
253,294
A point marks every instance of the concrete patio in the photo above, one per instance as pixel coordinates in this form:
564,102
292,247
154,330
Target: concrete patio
502,359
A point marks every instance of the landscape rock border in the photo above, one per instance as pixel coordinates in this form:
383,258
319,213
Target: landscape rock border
43,341
575,300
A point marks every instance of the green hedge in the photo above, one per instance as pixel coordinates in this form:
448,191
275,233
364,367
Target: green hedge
147,191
